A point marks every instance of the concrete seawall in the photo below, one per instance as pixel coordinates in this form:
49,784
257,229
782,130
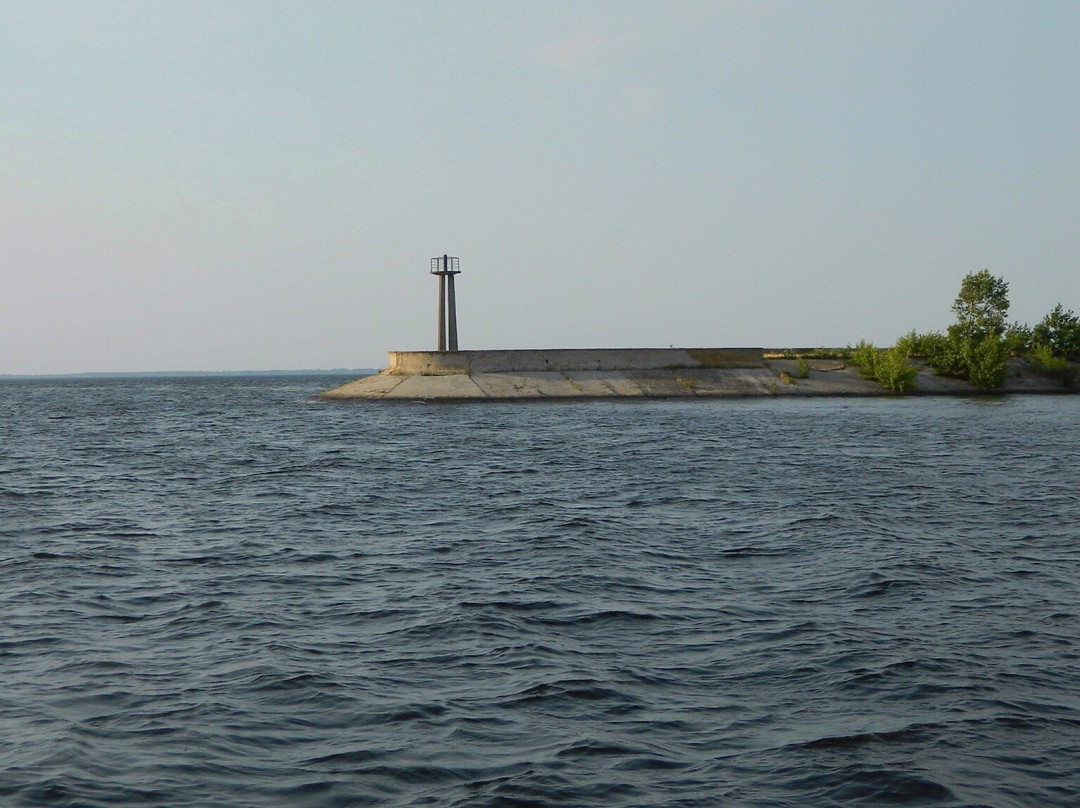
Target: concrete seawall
559,373
434,363
639,373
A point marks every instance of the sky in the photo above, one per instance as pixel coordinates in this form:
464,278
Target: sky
261,184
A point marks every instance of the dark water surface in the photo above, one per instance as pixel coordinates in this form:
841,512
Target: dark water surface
216,592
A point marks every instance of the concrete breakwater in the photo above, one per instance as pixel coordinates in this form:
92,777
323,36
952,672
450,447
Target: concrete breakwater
553,373
639,373
436,363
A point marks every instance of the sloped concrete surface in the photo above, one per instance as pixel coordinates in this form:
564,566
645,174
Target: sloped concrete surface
375,386
458,386
774,378
602,383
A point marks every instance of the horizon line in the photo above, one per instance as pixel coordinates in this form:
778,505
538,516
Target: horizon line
186,373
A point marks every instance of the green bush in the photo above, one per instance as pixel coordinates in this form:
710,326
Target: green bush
986,361
945,356
1060,331
1042,359
864,357
802,370
982,362
1017,339
909,344
894,370
925,345
890,368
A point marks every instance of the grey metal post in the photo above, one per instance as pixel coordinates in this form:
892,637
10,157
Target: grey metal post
442,313
452,309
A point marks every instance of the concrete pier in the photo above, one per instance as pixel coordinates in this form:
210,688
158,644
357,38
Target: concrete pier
565,373
640,373
433,363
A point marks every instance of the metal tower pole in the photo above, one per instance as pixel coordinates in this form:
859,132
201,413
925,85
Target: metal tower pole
442,312
452,310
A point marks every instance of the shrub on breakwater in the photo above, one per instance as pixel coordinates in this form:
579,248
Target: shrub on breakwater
1043,360
890,367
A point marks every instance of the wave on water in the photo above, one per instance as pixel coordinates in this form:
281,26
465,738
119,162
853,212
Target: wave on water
219,594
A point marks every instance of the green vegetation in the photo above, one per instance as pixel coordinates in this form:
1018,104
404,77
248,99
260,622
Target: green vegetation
980,308
1060,332
974,347
801,370
978,345
985,361
1044,361
891,367
1017,339
843,354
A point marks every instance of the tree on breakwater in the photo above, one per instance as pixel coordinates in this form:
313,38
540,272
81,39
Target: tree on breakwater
980,308
1060,332
977,346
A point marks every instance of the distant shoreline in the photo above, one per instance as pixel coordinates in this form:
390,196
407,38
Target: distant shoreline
183,374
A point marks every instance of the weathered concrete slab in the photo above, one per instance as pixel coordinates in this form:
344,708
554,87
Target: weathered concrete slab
374,386
824,378
525,385
662,383
1021,378
846,382
433,388
711,383
602,383
928,383
702,382
756,383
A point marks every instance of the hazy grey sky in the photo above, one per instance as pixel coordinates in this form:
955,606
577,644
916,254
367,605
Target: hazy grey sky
255,184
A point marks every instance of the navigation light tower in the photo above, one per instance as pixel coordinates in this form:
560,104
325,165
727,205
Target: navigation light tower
446,267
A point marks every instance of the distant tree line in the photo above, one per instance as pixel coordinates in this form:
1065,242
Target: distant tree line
977,346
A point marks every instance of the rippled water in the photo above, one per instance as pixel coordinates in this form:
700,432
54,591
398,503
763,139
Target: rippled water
217,592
